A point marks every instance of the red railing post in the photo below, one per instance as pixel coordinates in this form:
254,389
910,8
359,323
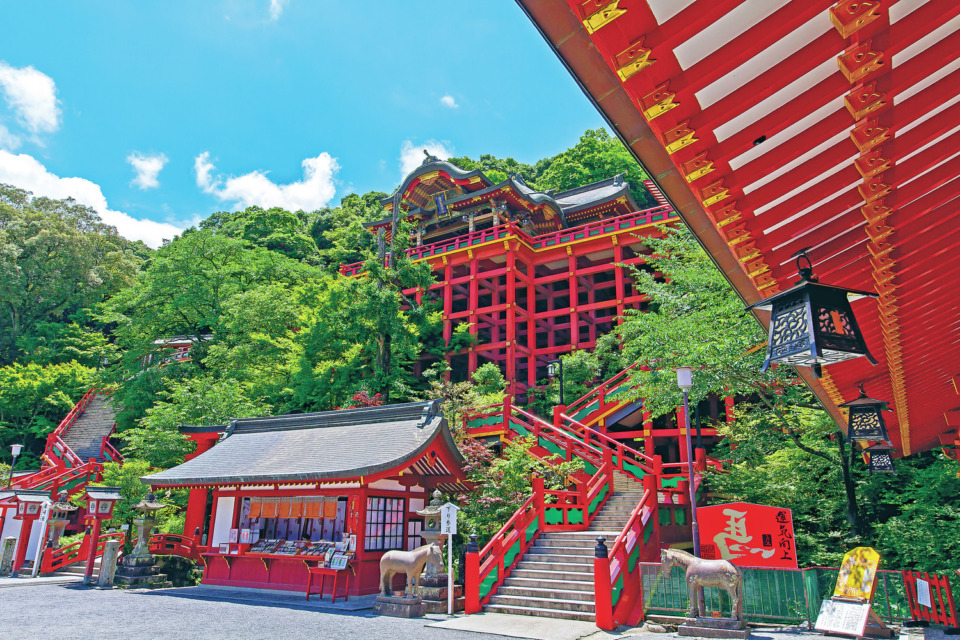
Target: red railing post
471,582
538,500
608,467
558,416
603,596
507,411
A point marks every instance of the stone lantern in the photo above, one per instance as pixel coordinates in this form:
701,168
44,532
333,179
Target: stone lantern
433,581
431,524
148,508
59,518
137,568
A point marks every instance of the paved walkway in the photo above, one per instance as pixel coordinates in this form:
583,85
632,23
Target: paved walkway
38,581
200,613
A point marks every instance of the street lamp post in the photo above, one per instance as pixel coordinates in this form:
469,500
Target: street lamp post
15,449
685,382
553,369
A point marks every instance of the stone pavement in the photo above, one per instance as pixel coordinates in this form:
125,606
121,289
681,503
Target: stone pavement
26,581
202,613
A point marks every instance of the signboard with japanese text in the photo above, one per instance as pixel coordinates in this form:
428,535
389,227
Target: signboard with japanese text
848,618
448,519
749,535
858,574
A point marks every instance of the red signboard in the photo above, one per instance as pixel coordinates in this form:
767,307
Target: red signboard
749,535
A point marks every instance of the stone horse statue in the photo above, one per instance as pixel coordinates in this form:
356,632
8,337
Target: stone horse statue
706,573
410,563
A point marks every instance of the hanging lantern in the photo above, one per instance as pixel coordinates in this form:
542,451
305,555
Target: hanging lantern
812,324
866,420
881,460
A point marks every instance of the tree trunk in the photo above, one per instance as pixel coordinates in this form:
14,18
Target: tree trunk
850,488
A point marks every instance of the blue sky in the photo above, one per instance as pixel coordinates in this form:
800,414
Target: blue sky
160,113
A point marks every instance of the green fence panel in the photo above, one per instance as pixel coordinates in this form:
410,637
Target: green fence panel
575,516
511,553
532,529
553,516
599,498
488,582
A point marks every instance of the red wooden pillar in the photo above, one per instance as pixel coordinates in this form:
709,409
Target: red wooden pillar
539,501
531,323
196,510
511,318
618,273
23,541
603,594
447,308
473,303
92,552
471,586
573,299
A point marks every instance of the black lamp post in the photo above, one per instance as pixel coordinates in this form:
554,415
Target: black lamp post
812,324
555,367
866,418
15,449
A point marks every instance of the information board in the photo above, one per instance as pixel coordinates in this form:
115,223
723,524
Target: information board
923,594
848,618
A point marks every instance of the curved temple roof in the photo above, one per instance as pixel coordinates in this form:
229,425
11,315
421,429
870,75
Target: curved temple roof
773,126
315,446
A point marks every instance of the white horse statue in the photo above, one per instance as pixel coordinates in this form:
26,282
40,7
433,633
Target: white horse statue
706,573
410,563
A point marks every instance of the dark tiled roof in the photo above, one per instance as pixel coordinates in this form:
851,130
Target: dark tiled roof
314,446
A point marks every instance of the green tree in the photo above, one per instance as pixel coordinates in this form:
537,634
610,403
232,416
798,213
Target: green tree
33,401
202,401
695,319
597,156
56,258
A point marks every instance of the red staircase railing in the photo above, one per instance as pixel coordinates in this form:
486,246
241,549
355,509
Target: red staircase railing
55,559
618,590
175,545
486,569
941,609
598,394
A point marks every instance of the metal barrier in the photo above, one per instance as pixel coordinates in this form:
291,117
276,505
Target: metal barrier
790,596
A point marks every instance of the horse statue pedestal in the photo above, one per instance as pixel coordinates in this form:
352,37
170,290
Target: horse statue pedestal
713,628
399,606
411,564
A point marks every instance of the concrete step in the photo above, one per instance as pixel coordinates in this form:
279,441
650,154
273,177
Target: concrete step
544,603
551,573
547,593
557,558
583,550
543,613
559,585
555,543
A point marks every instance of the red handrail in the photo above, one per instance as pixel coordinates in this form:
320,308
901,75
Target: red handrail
54,559
648,464
174,544
607,385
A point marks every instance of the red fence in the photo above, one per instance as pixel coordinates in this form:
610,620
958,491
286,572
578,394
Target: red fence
54,559
941,609
174,545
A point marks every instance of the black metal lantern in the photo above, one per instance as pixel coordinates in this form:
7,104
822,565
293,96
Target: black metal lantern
812,324
881,460
866,420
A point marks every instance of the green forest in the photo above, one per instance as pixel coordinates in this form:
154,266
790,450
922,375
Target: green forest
276,329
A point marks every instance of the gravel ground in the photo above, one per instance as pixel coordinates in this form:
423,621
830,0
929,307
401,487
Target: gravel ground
71,612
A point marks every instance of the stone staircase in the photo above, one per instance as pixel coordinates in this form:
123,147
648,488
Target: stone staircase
554,579
87,433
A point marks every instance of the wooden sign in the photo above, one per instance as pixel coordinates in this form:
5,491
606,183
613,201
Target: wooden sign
750,535
858,574
448,518
848,618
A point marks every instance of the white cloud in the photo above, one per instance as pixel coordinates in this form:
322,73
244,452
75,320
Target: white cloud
146,167
8,140
26,172
411,155
276,8
314,191
449,101
32,96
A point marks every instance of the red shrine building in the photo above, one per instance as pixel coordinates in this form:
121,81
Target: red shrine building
531,274
276,496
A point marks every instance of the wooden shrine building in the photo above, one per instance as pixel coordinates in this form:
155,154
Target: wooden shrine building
278,495
531,274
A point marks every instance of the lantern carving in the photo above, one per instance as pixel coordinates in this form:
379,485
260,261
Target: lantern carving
881,458
812,324
866,420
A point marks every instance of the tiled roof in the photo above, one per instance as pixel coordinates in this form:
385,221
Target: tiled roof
314,446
